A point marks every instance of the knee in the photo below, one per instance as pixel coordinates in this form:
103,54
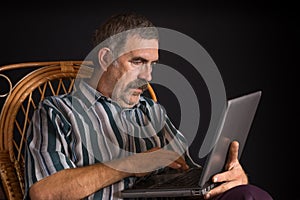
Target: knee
247,192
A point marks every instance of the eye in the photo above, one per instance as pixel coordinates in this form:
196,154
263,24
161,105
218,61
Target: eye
137,62
140,62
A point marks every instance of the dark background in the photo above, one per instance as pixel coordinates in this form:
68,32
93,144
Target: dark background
255,46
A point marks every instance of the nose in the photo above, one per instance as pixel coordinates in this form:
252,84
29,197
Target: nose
146,72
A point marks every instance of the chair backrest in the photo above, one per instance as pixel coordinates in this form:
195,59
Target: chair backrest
42,79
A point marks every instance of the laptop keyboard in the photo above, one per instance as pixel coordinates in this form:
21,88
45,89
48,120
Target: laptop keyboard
189,178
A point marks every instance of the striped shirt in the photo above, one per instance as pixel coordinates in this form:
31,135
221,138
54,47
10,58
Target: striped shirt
84,127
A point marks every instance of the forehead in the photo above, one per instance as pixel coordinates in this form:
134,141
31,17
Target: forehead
135,44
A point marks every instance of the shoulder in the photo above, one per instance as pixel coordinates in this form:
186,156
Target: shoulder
55,101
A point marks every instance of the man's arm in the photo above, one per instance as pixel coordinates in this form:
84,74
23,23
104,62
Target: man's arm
77,183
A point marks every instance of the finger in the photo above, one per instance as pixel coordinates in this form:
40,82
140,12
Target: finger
182,162
223,177
218,190
174,160
236,173
178,166
178,163
175,165
232,155
166,158
215,191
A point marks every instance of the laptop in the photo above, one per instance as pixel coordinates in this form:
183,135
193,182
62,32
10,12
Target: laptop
195,182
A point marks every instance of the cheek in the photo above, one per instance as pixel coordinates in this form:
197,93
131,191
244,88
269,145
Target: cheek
130,75
125,73
123,80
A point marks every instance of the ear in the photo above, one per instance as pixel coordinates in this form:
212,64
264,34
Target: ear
105,58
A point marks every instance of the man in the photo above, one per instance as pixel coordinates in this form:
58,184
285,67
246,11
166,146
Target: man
99,139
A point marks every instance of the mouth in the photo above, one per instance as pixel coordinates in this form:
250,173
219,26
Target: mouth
138,91
138,87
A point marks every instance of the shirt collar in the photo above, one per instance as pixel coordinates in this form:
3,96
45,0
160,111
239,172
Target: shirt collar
87,93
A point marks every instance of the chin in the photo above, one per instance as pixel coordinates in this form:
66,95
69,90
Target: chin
133,100
129,102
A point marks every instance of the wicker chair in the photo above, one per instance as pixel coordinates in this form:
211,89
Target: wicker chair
41,79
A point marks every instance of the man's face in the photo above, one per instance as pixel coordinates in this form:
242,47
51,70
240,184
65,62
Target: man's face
132,70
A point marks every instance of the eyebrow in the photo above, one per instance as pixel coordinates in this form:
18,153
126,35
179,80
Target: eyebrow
142,59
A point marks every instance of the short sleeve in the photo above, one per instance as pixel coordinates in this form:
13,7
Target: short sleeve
47,143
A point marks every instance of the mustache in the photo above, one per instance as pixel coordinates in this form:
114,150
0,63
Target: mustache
139,83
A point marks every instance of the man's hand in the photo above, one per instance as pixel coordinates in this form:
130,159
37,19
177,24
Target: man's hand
234,174
141,164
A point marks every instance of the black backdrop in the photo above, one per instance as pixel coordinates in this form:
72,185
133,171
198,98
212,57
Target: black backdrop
254,46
